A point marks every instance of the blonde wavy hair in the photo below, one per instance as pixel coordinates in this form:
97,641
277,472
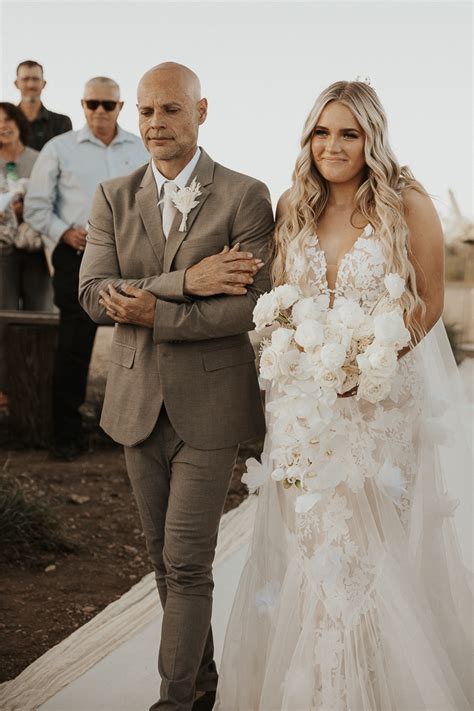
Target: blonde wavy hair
379,199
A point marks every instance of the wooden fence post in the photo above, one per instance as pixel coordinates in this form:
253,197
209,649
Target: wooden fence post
31,339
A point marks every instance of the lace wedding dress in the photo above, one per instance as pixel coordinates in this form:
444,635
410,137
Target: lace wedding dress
363,603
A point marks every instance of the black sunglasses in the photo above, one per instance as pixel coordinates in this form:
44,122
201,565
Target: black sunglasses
93,104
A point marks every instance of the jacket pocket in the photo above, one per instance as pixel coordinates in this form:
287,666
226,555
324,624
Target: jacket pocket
121,354
226,357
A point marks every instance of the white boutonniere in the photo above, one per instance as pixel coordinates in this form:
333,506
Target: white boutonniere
185,200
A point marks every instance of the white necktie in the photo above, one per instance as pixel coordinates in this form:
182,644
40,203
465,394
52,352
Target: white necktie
168,208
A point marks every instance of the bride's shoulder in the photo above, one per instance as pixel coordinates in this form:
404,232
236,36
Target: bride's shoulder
282,205
420,213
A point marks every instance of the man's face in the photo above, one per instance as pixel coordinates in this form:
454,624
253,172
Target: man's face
30,83
99,119
169,115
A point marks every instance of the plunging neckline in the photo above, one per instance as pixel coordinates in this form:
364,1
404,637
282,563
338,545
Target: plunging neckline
368,230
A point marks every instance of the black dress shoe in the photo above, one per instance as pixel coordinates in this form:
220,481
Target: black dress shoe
205,702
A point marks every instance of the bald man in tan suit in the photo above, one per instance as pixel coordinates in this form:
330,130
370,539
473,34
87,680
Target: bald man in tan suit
182,391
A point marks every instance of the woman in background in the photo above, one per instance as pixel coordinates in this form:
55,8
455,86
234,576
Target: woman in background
25,282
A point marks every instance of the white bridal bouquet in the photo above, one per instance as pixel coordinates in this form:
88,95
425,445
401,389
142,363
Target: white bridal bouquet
316,353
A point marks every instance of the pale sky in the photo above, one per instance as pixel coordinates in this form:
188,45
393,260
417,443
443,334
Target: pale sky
262,64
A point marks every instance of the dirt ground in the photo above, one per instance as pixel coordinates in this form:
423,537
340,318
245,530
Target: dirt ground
45,599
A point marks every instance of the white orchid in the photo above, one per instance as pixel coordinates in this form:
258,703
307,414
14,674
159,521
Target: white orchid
255,476
184,200
390,479
305,502
267,597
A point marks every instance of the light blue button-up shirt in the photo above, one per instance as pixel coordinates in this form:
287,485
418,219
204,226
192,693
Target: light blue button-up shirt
66,175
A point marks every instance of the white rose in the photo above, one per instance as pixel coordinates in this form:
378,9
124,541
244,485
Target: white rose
365,329
281,339
349,313
269,369
382,359
310,308
309,334
278,474
389,329
295,364
394,284
286,295
337,333
323,301
333,355
266,310
373,389
328,378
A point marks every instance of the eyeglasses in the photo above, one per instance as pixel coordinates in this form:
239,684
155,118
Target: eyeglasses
93,104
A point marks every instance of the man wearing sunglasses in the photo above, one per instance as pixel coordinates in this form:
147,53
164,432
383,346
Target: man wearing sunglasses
62,186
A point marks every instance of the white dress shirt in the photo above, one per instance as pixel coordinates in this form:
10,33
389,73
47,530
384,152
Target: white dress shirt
181,179
67,173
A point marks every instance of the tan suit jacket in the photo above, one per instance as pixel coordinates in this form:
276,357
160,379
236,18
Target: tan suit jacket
197,359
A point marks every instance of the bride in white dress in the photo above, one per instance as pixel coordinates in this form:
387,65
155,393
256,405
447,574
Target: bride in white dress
362,603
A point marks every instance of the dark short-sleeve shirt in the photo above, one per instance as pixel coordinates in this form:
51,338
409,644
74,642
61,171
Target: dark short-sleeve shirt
47,125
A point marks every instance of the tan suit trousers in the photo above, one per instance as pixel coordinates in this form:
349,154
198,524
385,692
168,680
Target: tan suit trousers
180,492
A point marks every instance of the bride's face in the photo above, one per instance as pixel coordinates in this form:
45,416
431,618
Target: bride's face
337,145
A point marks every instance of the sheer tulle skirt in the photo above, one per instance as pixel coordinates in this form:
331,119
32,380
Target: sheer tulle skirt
364,602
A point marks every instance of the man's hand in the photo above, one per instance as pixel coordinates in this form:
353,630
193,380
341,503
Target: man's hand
229,272
75,237
137,308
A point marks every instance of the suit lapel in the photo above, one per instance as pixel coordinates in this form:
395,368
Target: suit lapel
203,173
147,201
